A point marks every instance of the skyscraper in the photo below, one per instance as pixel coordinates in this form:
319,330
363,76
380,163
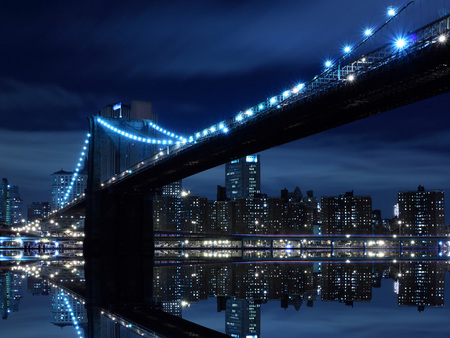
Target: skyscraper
242,318
16,204
5,206
243,178
421,212
347,214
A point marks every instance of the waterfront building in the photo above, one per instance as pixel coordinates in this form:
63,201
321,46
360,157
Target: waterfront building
10,293
167,213
346,283
346,214
243,177
60,183
221,216
37,210
420,284
38,286
242,318
16,204
66,313
194,213
251,216
421,212
5,206
173,189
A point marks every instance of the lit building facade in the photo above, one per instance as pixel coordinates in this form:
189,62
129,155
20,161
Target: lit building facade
421,212
346,214
5,202
172,189
16,204
10,293
243,177
346,283
66,311
421,284
60,183
37,210
242,318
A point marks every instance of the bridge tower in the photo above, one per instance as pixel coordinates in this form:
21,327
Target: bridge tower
118,242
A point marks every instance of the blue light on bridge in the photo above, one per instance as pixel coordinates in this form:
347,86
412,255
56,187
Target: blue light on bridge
391,11
298,87
328,63
368,32
347,49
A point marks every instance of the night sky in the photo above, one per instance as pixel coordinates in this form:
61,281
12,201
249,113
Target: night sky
199,62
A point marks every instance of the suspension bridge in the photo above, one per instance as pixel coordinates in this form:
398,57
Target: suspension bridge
356,85
128,158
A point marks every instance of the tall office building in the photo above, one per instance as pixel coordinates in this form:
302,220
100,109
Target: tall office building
5,202
243,177
16,204
242,318
66,314
60,183
346,214
421,212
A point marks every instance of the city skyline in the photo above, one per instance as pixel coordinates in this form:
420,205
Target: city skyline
208,71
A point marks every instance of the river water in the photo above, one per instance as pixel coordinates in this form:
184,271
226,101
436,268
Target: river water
341,295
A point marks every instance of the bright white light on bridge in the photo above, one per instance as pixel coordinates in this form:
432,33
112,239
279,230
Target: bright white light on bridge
249,112
391,11
442,38
225,130
347,49
328,63
351,78
368,32
400,43
273,100
297,88
286,94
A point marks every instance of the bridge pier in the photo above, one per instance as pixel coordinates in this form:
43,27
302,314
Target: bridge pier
118,248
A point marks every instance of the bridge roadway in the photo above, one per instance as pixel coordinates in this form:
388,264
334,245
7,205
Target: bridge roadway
419,75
